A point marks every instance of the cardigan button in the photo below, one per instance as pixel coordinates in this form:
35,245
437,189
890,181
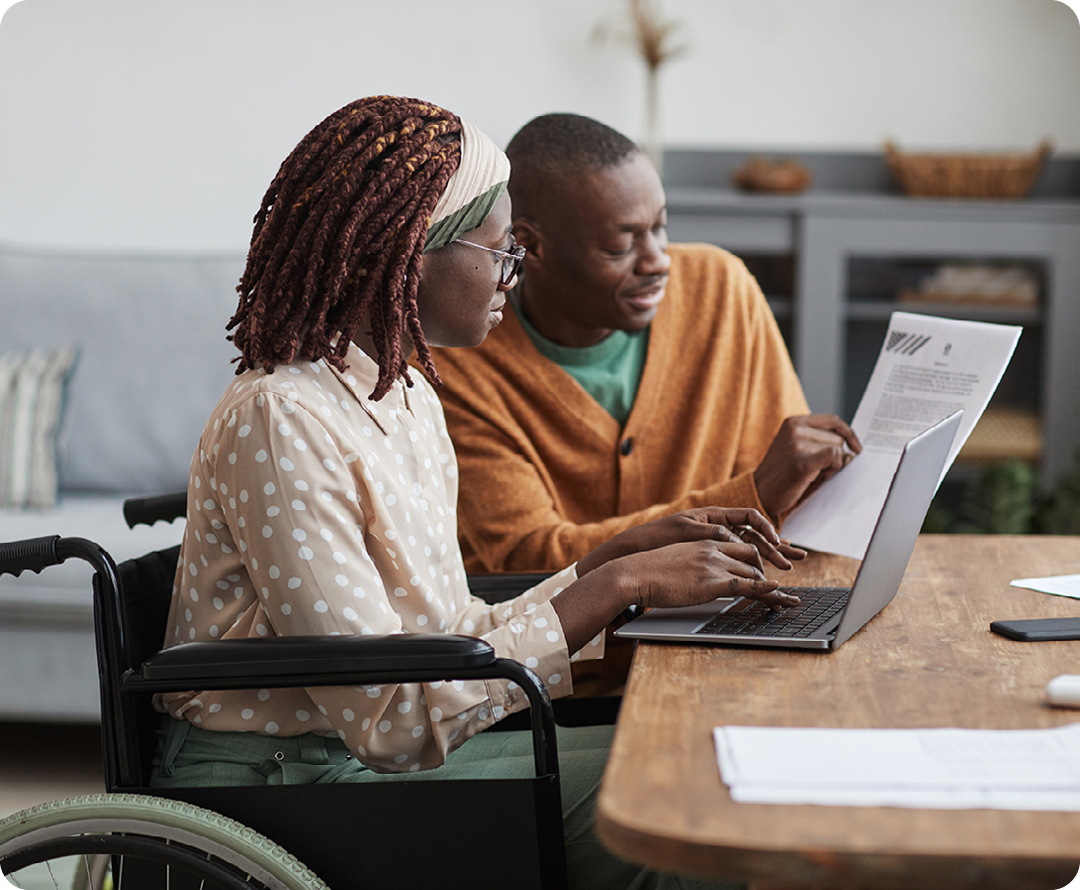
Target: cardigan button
627,446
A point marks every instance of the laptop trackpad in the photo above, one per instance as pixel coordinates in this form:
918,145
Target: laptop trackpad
680,618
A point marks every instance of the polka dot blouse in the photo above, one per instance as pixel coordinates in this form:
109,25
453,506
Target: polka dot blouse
313,510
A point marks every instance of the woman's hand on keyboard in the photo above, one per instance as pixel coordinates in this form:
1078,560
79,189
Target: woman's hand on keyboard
693,572
683,559
735,525
680,574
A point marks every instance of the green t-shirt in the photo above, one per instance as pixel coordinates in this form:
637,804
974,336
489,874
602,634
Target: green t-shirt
610,371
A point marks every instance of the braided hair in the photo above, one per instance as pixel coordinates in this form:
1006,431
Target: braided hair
339,237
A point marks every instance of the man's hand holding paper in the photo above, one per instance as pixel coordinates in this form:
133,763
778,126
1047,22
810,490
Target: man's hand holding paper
806,451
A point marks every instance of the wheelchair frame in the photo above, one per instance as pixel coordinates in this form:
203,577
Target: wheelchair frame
533,856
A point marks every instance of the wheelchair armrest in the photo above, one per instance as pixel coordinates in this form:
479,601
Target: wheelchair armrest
318,661
500,586
346,661
148,510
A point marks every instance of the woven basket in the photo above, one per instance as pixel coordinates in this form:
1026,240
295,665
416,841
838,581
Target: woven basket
966,175
760,174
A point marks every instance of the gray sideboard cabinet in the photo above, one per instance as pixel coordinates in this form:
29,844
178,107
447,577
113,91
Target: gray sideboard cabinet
851,224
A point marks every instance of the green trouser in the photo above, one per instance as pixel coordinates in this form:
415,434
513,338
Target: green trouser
188,756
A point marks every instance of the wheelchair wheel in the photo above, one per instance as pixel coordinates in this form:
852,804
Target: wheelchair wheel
136,842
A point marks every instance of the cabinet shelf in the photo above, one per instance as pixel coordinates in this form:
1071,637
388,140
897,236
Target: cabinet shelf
1004,434
880,310
833,253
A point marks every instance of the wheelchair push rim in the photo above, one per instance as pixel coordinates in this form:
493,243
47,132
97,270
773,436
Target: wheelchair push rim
68,842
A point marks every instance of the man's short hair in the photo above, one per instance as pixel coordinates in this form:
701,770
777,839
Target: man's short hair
559,140
549,149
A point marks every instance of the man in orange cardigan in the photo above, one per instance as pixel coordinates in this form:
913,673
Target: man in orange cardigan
629,378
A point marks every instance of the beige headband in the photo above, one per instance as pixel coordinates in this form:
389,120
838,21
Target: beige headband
472,191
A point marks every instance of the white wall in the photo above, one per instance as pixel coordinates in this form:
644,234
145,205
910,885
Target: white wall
157,124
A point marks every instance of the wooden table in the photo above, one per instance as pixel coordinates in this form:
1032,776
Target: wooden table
928,659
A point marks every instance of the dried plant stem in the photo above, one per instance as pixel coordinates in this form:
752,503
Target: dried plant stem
651,38
653,147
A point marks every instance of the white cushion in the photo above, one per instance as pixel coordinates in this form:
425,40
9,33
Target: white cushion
33,386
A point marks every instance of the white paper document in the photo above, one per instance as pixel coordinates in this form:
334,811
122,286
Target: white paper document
928,367
1013,769
1059,585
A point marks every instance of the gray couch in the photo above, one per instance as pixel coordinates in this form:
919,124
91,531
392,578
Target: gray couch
152,362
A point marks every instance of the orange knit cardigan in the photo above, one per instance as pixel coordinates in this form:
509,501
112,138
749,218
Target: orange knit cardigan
547,474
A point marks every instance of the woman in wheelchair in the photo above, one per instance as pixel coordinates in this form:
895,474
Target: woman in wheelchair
322,493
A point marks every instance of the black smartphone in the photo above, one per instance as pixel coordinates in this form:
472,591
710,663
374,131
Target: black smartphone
1034,629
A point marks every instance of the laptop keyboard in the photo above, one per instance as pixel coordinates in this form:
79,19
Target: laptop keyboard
817,606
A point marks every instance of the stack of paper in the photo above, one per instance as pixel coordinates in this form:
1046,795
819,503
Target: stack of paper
928,367
1024,769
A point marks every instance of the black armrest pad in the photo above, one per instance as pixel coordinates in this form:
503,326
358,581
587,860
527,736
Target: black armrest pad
500,586
313,660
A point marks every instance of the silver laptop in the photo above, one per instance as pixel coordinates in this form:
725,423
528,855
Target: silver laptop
826,616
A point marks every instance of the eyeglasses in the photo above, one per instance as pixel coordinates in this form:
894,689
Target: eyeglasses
511,260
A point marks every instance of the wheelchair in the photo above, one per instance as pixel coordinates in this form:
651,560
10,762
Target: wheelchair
291,837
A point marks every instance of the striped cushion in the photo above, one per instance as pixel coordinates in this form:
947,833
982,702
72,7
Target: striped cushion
32,397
